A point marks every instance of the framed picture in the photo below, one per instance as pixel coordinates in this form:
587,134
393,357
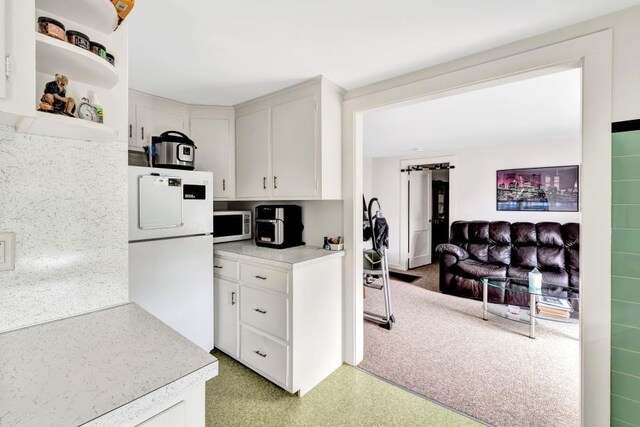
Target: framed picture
554,189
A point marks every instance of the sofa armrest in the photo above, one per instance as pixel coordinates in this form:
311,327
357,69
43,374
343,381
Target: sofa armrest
451,249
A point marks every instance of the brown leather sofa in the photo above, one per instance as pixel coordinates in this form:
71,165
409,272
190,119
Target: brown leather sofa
502,249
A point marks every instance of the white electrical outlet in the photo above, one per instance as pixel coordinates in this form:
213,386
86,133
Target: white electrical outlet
7,251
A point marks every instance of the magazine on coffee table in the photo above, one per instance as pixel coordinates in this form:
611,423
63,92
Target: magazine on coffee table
554,302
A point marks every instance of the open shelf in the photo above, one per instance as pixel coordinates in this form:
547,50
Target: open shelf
61,126
54,56
99,15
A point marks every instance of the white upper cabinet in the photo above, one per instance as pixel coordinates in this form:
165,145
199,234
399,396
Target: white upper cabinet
289,144
17,51
152,122
132,128
213,131
151,115
253,175
294,138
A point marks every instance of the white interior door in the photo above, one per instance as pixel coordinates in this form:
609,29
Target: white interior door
419,218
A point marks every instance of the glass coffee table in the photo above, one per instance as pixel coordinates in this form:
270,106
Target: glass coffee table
546,306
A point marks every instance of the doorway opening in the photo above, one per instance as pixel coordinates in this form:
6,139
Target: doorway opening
439,168
428,211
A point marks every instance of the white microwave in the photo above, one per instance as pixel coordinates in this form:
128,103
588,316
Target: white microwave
230,226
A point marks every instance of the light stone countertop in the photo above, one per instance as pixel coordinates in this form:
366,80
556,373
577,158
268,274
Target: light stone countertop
284,258
74,370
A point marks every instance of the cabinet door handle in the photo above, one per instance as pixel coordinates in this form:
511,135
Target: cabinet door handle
130,131
259,310
259,353
142,133
275,182
224,185
217,266
264,183
233,298
261,277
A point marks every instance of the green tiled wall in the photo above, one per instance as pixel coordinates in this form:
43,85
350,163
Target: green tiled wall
625,280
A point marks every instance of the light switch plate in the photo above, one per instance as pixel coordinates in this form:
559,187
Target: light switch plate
7,251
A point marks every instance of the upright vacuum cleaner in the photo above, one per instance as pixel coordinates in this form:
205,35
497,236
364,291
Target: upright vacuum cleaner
375,262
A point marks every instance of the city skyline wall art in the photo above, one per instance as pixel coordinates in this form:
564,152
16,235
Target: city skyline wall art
553,189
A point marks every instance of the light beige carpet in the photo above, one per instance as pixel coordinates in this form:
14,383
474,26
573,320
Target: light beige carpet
441,348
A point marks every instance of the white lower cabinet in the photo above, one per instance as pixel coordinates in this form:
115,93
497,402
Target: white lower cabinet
287,319
226,316
265,310
262,352
185,409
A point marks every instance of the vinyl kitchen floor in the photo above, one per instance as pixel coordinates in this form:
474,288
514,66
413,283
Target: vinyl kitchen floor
348,397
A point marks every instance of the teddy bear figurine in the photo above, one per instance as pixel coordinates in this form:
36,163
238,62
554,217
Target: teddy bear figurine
55,98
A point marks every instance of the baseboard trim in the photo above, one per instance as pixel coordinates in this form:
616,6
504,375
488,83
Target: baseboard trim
396,267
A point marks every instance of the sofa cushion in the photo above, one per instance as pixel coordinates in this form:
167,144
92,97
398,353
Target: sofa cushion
499,254
549,234
523,234
460,234
486,241
472,288
477,269
550,258
524,256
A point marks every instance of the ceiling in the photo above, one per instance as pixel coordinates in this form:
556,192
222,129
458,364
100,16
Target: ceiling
522,112
221,53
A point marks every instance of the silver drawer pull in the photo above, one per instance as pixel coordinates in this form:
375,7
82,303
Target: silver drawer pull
233,298
261,277
259,353
259,310
217,266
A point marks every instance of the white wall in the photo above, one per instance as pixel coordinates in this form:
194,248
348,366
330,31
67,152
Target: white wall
320,217
66,201
475,179
367,176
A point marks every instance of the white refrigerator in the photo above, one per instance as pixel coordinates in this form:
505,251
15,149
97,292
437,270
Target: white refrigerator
171,249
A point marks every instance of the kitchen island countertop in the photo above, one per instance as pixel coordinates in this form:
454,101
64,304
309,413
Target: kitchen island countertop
119,361
284,258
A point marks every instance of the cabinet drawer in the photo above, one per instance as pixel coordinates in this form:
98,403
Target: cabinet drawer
264,276
225,268
265,311
264,354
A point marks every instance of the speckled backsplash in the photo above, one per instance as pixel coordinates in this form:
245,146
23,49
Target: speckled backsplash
66,200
